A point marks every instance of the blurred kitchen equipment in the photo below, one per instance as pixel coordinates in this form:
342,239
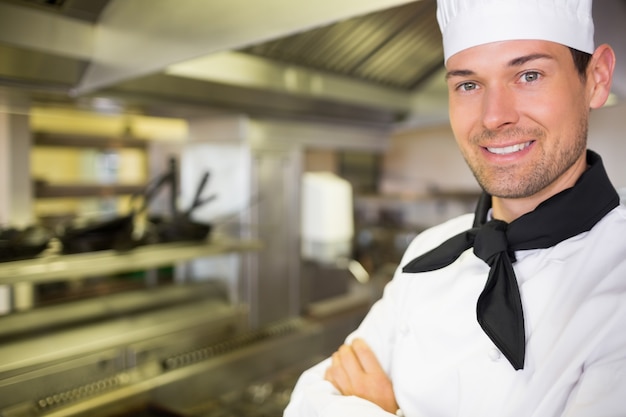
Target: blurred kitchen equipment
327,218
17,244
136,228
327,232
179,226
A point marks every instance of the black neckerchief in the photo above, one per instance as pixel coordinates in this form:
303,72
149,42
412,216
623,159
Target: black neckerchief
562,216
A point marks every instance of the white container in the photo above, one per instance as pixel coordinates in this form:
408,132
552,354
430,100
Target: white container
327,223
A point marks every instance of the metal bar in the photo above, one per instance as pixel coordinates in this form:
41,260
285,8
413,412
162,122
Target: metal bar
87,141
76,266
43,190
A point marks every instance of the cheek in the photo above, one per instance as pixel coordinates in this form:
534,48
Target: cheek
553,112
462,120
556,101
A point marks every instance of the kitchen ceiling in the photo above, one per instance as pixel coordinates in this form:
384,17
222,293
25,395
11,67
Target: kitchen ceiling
355,61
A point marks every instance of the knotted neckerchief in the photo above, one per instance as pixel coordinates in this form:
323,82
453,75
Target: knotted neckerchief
564,215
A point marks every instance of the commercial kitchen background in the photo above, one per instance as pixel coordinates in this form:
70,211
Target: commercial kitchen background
96,97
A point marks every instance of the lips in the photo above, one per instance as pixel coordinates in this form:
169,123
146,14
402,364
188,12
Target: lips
506,150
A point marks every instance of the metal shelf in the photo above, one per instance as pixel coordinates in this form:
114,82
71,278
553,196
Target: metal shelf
88,141
45,190
67,267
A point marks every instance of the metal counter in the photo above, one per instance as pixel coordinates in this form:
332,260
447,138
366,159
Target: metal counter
192,355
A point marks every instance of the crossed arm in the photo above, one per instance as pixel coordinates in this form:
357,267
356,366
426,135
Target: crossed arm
354,370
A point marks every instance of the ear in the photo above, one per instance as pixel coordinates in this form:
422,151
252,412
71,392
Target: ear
600,75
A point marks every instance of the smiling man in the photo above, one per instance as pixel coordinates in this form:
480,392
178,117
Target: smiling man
520,308
519,111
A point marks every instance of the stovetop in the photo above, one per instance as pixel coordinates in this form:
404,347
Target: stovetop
264,398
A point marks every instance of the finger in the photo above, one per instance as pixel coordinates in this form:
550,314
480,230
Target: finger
366,357
328,376
350,362
337,375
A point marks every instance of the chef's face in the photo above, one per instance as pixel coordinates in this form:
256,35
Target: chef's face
519,111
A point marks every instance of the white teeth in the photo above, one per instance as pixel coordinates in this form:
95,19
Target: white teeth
509,149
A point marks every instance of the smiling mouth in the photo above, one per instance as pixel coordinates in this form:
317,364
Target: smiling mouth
510,149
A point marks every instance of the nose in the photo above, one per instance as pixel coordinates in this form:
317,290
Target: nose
499,109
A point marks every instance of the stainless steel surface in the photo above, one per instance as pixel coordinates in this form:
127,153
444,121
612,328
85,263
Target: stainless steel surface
36,70
50,63
261,360
77,266
183,349
274,287
57,317
223,373
399,47
46,369
87,10
198,383
167,95
171,32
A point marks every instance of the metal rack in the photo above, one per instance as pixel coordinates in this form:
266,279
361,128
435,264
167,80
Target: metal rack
186,350
76,266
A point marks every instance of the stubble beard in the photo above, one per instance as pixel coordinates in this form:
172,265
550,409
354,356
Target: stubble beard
521,182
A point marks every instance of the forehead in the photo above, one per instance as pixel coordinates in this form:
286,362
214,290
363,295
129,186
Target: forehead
504,53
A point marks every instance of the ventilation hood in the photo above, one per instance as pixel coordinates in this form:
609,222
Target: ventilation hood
374,61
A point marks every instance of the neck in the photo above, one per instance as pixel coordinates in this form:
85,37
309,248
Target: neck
509,209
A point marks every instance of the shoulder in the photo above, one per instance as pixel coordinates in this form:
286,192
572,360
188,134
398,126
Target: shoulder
619,212
434,236
612,226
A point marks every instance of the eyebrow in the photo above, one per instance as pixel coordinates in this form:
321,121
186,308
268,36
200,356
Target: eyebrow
515,62
527,58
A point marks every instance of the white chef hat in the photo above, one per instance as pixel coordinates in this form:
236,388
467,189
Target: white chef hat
467,23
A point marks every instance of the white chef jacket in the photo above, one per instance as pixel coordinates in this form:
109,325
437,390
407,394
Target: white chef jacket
425,334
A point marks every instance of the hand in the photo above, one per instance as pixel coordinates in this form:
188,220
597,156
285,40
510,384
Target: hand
356,371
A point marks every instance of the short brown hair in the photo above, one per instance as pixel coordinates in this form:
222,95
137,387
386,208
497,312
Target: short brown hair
581,62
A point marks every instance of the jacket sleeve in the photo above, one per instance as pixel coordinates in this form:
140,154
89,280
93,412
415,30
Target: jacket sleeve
599,392
315,397
601,387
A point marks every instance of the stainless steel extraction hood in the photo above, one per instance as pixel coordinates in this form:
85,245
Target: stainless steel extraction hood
346,60
59,54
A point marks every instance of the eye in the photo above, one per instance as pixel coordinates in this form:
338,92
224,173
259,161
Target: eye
530,76
467,86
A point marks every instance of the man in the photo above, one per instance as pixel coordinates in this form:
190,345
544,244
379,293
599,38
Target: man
519,309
